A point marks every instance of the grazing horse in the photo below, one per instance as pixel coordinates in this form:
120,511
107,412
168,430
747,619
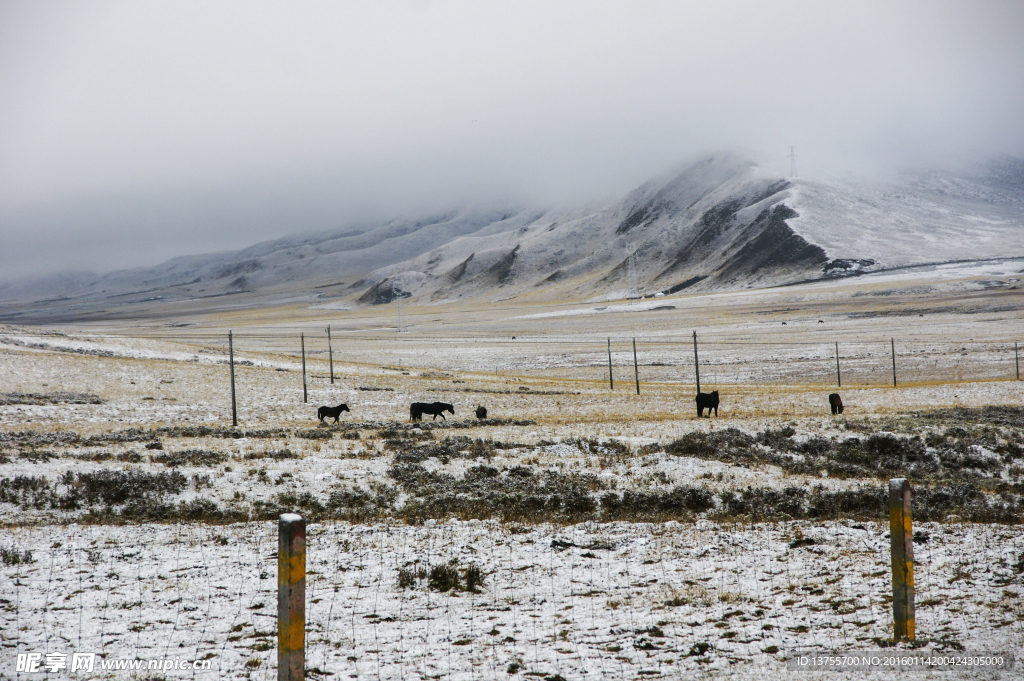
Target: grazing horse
836,403
707,401
418,409
481,412
330,412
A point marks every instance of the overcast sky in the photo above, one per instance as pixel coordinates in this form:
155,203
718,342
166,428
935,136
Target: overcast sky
133,132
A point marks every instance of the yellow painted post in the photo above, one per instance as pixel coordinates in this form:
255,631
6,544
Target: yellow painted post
291,598
901,540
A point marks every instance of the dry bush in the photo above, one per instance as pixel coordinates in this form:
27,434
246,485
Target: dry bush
12,555
442,577
275,454
191,457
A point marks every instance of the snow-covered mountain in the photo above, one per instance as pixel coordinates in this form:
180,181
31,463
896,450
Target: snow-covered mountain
721,222
724,222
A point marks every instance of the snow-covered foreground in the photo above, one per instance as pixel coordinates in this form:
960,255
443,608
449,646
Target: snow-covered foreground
590,600
619,600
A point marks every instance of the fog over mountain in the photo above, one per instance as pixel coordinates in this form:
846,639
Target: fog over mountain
132,133
721,222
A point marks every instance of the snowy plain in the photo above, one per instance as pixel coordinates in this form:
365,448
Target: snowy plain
707,596
620,600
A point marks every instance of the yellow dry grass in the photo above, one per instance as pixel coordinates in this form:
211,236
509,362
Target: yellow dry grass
956,350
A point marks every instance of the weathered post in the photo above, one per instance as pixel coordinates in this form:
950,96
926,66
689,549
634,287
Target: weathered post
636,368
330,353
839,376
305,395
231,361
611,383
696,362
893,344
291,597
1016,358
901,541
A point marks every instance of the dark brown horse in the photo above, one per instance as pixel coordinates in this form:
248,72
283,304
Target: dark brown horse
331,412
418,409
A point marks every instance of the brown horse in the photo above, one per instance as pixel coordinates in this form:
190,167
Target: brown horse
418,409
330,412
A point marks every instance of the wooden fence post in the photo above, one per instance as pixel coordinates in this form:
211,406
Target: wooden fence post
839,376
1016,357
231,360
611,383
696,362
901,541
305,395
892,342
636,368
291,597
330,353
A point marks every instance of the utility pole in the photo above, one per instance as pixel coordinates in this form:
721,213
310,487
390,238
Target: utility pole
305,396
892,343
230,355
611,383
330,353
839,376
696,362
636,368
633,290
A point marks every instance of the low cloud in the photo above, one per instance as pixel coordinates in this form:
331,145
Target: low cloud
130,133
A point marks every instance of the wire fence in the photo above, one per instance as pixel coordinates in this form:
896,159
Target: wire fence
594,600
555,601
726,359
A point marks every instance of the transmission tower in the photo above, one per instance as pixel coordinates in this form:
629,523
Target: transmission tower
400,322
633,292
792,162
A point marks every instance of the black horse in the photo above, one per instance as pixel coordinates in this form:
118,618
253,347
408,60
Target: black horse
331,412
836,403
481,412
707,401
418,409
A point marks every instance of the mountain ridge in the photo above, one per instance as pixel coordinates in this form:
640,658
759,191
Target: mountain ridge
721,222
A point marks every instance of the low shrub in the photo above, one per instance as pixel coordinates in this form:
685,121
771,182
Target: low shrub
315,434
191,457
277,454
442,577
11,555
638,506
